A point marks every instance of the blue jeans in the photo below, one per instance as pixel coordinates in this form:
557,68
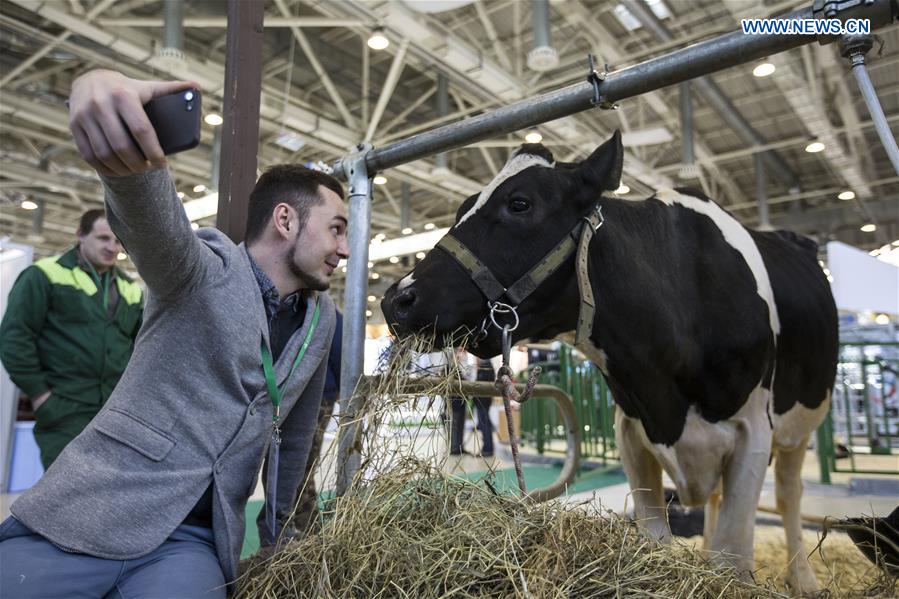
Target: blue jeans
184,566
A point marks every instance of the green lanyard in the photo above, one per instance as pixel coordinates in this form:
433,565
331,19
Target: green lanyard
274,393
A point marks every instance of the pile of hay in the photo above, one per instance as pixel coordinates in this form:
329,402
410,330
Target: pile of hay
407,529
836,561
417,533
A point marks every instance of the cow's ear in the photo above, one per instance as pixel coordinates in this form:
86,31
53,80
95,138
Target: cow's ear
603,167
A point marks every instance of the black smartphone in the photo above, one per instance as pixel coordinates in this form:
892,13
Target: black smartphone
176,120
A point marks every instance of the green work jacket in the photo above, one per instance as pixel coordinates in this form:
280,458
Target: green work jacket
58,334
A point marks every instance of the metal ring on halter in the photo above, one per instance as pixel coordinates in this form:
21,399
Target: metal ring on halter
501,308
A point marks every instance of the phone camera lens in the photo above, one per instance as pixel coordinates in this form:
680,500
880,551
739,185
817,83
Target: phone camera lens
189,107
188,96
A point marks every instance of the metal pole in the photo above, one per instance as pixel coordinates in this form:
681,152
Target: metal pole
688,169
761,193
855,48
356,290
688,63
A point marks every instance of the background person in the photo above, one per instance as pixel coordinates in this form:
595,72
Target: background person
68,333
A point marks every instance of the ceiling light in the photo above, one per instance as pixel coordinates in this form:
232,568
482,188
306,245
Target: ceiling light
380,237
896,243
847,195
882,319
869,227
194,226
429,226
199,188
420,255
533,137
180,195
874,253
375,276
343,269
368,312
394,259
371,264
407,231
28,205
377,40
814,147
122,256
379,180
764,69
214,119
371,298
622,189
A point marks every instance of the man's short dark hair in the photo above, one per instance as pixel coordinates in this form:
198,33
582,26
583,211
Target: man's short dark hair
86,225
290,183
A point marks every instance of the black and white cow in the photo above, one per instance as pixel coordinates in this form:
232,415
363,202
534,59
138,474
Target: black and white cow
719,342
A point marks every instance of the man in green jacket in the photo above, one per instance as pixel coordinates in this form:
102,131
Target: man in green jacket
68,333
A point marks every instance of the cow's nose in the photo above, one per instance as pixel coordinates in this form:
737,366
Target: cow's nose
404,302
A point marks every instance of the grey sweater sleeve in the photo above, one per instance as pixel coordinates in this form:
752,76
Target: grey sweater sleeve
146,214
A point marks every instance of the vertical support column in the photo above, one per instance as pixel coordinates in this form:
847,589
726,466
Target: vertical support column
688,169
761,192
173,32
216,159
442,110
240,131
348,458
405,205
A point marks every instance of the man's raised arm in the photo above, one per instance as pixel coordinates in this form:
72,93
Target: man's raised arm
114,135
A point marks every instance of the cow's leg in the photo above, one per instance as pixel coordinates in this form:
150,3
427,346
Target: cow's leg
742,482
788,488
644,475
712,506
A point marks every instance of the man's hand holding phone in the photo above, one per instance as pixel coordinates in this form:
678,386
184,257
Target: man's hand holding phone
111,128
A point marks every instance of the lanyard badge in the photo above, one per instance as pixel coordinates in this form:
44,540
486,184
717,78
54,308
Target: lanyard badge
274,394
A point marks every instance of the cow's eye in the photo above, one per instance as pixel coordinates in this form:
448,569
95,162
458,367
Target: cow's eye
519,205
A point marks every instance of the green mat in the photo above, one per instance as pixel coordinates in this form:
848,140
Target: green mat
503,481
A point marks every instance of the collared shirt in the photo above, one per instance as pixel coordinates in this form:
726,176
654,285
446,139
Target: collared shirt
284,316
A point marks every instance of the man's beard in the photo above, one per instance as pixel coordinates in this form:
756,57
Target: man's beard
309,280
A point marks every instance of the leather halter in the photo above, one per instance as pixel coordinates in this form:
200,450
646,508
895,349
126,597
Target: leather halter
577,239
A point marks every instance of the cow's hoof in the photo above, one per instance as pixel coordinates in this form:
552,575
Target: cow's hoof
802,583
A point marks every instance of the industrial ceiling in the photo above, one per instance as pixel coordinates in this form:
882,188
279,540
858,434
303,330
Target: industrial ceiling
324,90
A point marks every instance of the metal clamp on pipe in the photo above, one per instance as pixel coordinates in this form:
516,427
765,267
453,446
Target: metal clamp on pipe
877,12
595,78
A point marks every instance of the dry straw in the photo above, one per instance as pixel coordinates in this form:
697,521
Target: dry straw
408,529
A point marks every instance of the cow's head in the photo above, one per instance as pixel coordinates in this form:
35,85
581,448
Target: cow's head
528,208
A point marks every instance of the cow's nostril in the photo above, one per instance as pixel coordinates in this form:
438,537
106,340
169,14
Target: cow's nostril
405,299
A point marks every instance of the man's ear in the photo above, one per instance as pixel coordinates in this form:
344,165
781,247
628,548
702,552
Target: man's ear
284,219
602,168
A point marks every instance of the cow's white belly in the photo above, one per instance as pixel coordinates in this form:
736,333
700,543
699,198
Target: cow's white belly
792,427
696,461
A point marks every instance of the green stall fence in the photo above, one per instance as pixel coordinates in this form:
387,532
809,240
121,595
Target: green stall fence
541,424
864,415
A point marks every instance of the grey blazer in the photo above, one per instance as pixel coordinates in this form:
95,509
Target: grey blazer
192,406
